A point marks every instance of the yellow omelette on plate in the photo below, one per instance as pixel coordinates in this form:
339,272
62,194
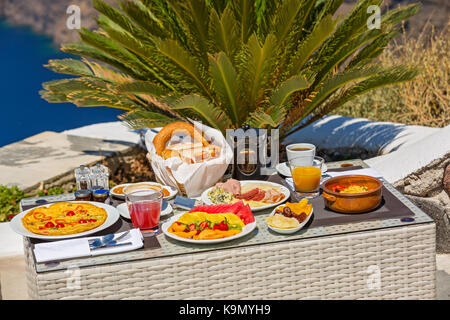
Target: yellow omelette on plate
64,218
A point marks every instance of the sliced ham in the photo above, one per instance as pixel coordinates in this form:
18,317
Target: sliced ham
248,195
273,196
231,185
234,186
259,196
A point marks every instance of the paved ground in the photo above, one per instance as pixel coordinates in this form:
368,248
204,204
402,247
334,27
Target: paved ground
443,276
12,278
13,281
49,154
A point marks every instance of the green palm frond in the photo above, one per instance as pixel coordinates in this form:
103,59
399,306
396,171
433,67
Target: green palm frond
143,87
87,51
311,43
192,14
281,95
183,62
197,106
259,65
267,117
383,78
224,33
141,119
267,63
244,11
225,84
335,82
69,66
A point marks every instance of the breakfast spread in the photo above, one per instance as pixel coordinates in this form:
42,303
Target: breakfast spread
254,194
64,218
227,206
197,151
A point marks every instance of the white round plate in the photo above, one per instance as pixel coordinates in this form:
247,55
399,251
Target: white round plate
173,191
284,169
123,210
165,226
291,230
113,216
118,195
283,189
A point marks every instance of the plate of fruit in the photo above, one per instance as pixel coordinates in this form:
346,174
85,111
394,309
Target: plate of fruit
208,224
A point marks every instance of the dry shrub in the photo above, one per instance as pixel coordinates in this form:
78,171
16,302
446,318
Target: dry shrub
422,101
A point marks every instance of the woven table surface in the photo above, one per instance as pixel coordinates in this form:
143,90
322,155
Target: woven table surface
165,247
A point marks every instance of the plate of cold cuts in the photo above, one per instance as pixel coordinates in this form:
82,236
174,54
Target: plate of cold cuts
259,195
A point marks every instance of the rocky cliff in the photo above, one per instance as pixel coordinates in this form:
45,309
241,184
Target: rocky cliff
49,16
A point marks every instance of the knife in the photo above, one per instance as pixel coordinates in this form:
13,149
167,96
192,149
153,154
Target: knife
111,245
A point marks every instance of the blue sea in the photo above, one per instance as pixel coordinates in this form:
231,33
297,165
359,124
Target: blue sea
23,112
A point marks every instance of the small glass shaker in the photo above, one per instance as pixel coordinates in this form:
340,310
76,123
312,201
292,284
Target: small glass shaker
83,178
99,177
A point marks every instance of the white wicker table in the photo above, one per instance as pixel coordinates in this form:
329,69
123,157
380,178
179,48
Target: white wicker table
377,259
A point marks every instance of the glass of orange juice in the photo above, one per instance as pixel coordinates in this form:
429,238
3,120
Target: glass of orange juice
306,173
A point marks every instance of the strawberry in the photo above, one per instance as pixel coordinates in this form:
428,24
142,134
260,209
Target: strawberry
203,225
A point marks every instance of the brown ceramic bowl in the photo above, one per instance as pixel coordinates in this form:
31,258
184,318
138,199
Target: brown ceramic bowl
352,202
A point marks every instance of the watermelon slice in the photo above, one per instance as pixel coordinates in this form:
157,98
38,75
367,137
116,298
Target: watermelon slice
219,208
246,215
238,208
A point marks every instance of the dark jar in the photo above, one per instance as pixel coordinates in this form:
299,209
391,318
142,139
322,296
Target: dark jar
100,195
83,195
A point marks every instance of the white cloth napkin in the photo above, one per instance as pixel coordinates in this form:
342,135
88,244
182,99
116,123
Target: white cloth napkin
77,248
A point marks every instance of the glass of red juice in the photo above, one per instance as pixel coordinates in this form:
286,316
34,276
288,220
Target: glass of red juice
145,208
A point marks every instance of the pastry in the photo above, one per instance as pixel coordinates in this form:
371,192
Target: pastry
164,135
190,153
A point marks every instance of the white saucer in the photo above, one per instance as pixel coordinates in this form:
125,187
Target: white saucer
123,210
283,169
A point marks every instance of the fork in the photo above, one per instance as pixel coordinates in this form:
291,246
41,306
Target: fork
100,243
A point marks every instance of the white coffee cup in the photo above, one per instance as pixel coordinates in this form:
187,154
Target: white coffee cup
305,150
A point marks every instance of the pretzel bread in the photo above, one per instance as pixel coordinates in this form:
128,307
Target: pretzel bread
163,136
192,153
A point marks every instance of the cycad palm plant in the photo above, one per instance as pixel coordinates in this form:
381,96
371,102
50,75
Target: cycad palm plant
266,63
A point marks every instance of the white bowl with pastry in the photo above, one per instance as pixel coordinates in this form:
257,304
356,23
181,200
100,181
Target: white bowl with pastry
188,157
259,195
185,141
